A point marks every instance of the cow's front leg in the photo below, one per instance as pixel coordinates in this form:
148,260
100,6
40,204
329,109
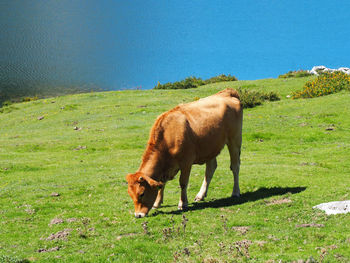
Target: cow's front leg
159,199
184,177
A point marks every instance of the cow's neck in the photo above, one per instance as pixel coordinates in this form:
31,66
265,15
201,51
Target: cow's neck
153,166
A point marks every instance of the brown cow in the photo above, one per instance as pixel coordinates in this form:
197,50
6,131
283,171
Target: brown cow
192,133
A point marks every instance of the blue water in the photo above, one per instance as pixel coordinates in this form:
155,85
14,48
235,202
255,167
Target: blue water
53,43
128,44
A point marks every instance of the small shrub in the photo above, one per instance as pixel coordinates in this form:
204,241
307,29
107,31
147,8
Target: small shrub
26,99
270,96
187,83
8,109
252,98
295,74
7,103
193,82
324,84
220,78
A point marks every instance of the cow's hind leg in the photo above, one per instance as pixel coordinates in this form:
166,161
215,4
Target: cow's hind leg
234,147
159,199
184,177
209,171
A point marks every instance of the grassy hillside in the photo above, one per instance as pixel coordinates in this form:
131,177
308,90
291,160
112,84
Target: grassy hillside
66,158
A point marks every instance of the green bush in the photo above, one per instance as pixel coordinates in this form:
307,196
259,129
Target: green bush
26,99
193,82
295,74
187,83
252,98
7,103
324,84
220,78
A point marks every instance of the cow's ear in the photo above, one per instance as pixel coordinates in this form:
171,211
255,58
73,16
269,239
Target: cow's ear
128,177
154,183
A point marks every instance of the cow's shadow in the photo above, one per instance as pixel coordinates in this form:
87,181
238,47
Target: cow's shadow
261,193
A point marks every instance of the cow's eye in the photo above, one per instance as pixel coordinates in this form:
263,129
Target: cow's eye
141,195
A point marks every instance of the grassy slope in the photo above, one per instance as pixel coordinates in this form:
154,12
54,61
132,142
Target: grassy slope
287,154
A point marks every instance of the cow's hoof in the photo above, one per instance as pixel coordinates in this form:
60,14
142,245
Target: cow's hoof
197,199
235,195
182,208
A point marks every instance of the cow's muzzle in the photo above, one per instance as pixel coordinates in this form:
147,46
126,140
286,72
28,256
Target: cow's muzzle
140,215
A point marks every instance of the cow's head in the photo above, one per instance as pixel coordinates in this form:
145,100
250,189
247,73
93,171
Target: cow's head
143,191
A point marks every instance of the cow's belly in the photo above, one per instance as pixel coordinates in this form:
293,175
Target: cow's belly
208,149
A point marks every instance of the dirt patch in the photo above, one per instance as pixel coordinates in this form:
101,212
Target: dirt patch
241,229
30,211
60,235
126,235
279,201
42,250
310,225
56,221
261,243
70,220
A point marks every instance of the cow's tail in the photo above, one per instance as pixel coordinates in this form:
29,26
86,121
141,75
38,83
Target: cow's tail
229,92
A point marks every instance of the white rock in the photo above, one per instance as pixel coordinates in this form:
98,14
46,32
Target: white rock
316,68
345,70
330,70
336,207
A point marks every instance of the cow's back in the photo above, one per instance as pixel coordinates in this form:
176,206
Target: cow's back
200,129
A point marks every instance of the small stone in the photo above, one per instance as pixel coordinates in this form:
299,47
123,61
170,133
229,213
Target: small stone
55,194
336,207
80,148
40,118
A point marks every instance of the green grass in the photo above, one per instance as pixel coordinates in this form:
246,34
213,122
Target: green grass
287,155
